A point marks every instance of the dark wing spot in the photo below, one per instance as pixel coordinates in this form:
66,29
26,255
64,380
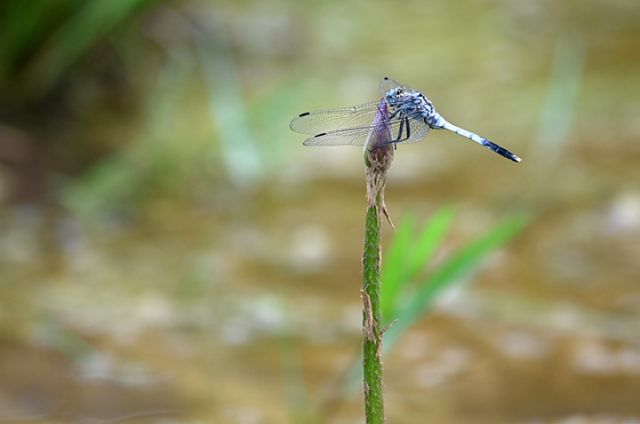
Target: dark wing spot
386,78
320,135
303,114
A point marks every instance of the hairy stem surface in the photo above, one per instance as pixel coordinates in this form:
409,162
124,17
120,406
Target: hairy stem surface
378,158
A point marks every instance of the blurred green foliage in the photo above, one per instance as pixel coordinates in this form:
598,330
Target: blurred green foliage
130,99
407,257
409,289
68,93
41,39
408,292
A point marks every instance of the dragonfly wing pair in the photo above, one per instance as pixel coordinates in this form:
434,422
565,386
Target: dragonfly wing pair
352,126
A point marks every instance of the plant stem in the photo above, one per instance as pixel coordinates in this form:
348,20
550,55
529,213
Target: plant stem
372,343
378,158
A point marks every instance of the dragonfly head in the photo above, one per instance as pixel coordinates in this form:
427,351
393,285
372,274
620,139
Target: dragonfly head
395,96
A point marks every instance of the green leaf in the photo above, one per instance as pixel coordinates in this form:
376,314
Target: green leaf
428,241
405,259
394,265
450,273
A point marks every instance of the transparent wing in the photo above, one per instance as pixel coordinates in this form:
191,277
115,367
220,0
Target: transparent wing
335,119
418,130
387,84
357,136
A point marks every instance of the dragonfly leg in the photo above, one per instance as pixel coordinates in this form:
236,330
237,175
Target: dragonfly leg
404,127
404,123
397,140
400,131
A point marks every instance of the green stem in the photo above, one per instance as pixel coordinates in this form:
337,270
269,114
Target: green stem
372,343
378,155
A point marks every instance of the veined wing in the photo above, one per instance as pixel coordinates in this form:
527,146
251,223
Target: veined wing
387,84
357,136
418,130
335,119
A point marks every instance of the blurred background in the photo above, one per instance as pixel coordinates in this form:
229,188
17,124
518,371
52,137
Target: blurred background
169,252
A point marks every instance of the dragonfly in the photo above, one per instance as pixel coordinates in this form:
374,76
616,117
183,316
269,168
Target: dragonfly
409,116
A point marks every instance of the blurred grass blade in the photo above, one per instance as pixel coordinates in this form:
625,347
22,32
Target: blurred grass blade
450,273
443,277
429,240
149,162
405,259
395,264
23,25
92,20
241,157
559,105
265,109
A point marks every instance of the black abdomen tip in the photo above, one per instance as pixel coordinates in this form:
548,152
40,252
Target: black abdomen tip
501,151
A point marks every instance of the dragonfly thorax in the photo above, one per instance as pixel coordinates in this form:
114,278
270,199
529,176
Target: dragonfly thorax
413,105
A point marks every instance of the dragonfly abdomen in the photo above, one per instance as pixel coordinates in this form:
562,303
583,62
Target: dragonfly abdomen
500,150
